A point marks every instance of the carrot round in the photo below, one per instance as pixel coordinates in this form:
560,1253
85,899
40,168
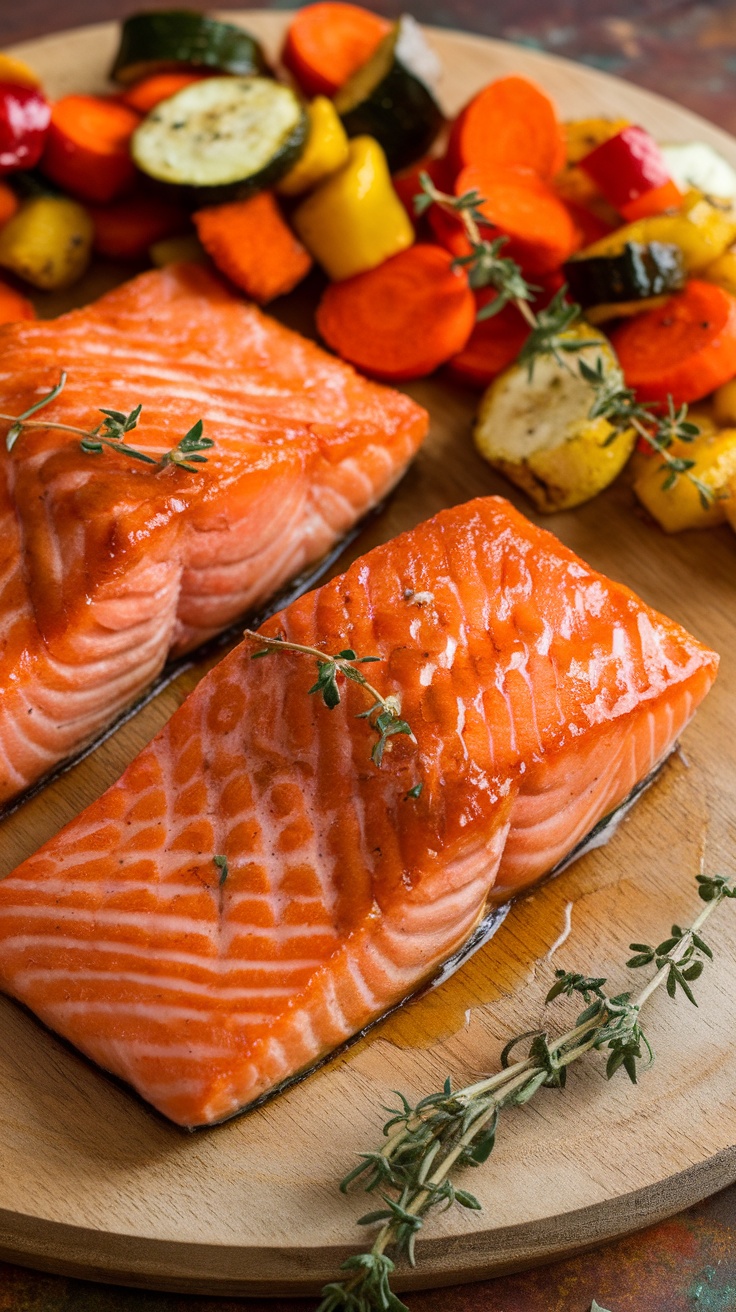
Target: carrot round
493,344
509,124
327,42
9,203
683,349
150,91
520,206
403,319
87,149
13,305
126,229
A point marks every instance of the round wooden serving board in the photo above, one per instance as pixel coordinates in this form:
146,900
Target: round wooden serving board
93,1184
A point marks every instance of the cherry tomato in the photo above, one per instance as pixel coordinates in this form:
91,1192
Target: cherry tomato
24,119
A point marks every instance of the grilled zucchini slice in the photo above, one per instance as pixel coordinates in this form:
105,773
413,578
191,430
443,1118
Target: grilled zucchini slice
638,271
390,97
182,38
538,431
242,134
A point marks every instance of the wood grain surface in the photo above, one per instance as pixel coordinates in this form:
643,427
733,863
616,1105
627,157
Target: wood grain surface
92,1183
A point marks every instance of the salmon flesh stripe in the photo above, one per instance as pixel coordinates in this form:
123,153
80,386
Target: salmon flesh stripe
108,566
539,693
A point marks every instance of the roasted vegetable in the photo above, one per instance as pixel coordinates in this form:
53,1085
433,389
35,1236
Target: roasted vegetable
327,42
182,38
253,245
354,220
696,164
636,272
17,71
48,242
630,171
390,97
723,271
582,135
679,505
24,120
222,131
325,152
88,148
724,405
177,250
702,230
539,434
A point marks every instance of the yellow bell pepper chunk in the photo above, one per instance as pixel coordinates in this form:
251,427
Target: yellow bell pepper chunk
680,506
583,135
177,250
325,152
724,405
354,221
48,242
702,230
15,70
723,271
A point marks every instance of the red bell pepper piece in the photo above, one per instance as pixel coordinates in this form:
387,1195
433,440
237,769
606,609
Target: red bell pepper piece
630,171
24,119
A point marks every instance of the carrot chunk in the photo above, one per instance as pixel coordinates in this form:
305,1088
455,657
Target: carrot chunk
520,206
402,319
14,306
126,229
509,124
327,42
493,344
251,242
145,95
683,349
87,149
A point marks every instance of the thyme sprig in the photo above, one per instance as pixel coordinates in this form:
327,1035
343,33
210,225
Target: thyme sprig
425,1143
383,715
111,432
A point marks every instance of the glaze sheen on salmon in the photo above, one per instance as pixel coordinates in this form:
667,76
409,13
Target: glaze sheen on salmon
108,566
539,694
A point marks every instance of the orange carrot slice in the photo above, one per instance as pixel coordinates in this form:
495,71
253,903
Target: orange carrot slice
493,344
510,124
403,319
88,147
683,349
14,306
518,205
126,229
251,242
327,42
150,91
407,185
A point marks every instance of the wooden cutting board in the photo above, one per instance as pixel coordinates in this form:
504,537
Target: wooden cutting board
93,1184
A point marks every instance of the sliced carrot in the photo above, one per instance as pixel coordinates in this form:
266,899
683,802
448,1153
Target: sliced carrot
518,205
88,147
145,95
404,318
448,230
9,203
407,184
14,306
493,344
683,349
251,242
327,42
509,124
126,229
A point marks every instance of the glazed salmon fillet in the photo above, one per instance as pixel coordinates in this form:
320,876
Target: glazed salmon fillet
108,565
539,694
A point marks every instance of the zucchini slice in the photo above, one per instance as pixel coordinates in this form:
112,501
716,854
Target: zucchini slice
182,38
697,164
390,97
637,272
243,132
538,431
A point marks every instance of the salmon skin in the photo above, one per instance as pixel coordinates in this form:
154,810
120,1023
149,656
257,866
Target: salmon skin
540,694
109,566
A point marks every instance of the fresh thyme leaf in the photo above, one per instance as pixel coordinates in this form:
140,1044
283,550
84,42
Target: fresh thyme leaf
416,791
110,433
221,863
448,1130
383,714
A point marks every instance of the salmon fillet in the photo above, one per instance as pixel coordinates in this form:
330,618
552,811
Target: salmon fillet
107,566
539,694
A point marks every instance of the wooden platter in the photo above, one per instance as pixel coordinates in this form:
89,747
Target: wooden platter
93,1184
